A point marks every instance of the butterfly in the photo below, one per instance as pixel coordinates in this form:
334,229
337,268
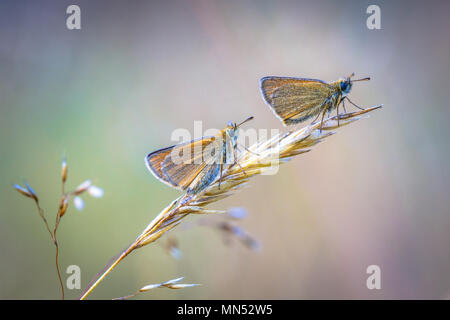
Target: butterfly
294,100
192,166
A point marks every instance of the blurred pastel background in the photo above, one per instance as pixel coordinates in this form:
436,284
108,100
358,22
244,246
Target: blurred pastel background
106,95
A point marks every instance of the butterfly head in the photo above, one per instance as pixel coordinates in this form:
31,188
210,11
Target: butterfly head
232,128
345,85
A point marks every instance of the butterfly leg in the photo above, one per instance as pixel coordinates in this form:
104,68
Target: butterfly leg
242,169
257,154
343,105
321,122
236,162
337,112
220,177
354,104
315,119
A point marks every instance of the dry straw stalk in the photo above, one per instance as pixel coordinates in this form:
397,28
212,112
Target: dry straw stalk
256,160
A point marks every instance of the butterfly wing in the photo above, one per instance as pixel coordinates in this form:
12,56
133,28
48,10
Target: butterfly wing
180,164
154,162
294,100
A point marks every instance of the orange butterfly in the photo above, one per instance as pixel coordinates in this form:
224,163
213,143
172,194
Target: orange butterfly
194,165
294,100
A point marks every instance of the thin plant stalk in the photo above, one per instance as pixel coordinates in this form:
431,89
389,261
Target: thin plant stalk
62,209
253,161
55,242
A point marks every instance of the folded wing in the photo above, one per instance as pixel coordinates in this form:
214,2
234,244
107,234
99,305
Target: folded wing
180,164
294,100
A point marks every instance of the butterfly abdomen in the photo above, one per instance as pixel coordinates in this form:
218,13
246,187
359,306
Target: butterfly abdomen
204,179
297,120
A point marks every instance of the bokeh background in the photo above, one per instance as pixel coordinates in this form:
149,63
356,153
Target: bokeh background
108,94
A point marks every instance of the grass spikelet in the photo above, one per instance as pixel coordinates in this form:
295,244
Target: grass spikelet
171,284
62,208
258,159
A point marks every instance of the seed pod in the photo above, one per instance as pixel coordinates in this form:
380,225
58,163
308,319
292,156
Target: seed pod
22,191
64,170
95,191
79,203
82,187
63,206
31,191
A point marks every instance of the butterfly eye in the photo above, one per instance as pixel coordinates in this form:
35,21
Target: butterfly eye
344,85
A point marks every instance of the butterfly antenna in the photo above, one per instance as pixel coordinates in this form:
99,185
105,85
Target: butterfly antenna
246,120
363,79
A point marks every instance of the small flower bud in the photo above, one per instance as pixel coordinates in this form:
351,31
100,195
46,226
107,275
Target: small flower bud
79,203
237,213
82,187
175,253
64,170
31,191
182,285
63,206
173,281
149,287
95,191
22,191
